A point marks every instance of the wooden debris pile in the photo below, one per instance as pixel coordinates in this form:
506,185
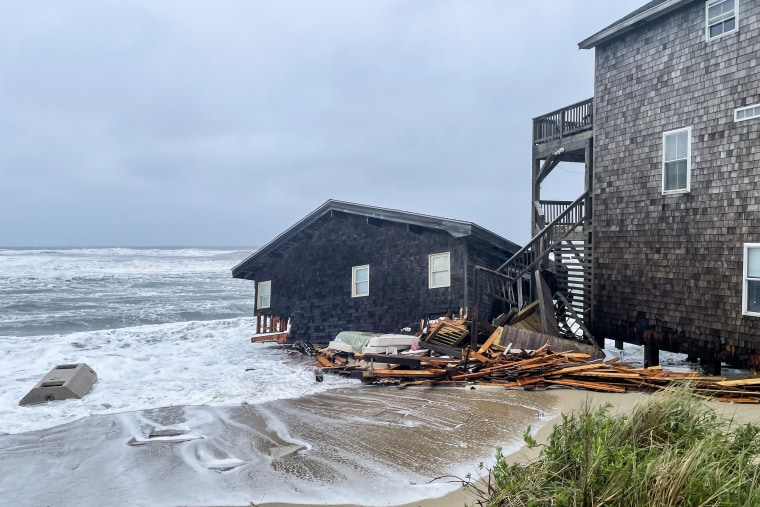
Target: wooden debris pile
496,365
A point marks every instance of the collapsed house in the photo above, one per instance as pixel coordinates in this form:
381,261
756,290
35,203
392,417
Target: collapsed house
355,267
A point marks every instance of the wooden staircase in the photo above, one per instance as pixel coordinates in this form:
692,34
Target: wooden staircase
564,248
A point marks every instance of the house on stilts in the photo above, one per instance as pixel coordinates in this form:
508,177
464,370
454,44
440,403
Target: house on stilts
664,243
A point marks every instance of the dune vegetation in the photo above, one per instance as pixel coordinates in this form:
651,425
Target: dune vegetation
671,450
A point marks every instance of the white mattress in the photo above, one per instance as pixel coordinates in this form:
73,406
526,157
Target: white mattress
340,346
393,340
369,349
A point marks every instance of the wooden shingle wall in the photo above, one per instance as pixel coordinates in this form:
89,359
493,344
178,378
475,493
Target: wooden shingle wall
668,268
312,281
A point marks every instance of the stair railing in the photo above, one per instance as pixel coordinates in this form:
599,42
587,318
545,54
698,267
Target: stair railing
542,243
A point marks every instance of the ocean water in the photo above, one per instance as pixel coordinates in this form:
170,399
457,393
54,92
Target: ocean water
187,411
160,327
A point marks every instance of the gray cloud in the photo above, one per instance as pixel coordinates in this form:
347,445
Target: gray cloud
211,123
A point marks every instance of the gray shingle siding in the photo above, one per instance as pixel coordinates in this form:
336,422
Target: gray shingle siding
668,268
311,281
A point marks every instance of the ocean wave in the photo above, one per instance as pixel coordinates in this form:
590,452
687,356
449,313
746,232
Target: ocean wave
151,366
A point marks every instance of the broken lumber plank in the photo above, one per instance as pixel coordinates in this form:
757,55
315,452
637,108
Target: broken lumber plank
713,391
527,340
647,369
514,366
540,364
523,314
547,313
470,376
491,339
436,362
405,373
529,381
594,386
575,356
274,337
583,367
324,361
604,374
643,383
738,400
339,359
478,357
740,382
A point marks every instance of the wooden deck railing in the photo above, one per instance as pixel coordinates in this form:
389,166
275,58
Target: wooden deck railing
552,209
540,246
569,120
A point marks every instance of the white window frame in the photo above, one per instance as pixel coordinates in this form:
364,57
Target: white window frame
747,113
431,272
666,161
261,293
746,279
355,293
720,18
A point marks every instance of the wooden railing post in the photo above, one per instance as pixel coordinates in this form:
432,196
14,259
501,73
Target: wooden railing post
475,308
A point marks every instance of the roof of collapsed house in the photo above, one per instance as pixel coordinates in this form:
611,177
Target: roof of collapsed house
635,19
299,231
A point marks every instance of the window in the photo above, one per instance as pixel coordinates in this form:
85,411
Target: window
751,292
747,113
439,270
676,161
264,297
359,281
721,17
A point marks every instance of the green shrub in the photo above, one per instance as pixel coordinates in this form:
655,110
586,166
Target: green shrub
671,450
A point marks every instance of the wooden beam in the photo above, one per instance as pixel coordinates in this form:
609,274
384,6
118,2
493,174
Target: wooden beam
491,339
404,373
274,337
548,166
546,306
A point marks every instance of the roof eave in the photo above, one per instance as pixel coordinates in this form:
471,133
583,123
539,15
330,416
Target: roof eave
630,22
301,224
457,228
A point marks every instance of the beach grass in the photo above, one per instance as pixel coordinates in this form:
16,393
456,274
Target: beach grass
672,449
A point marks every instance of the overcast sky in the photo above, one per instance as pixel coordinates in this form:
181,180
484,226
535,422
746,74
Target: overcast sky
212,123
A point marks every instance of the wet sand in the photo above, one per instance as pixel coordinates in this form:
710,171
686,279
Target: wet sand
569,401
359,446
564,401
363,445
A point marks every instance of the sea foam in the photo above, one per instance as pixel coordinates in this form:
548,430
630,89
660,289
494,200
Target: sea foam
183,363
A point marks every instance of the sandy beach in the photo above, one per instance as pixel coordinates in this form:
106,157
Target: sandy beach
360,446
569,400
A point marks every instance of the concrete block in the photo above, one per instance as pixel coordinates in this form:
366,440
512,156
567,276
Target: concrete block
62,382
